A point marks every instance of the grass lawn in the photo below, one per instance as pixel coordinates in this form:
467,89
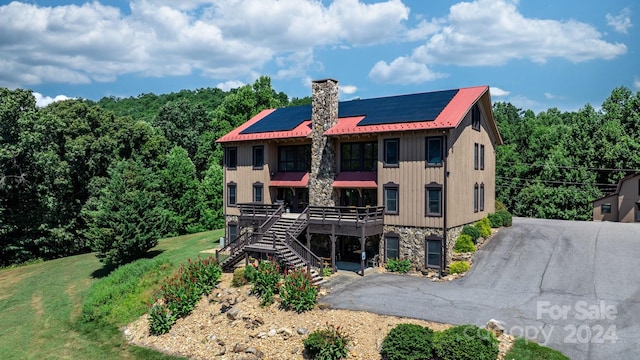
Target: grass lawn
527,350
41,305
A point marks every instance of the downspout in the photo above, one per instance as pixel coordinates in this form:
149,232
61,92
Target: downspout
444,204
224,188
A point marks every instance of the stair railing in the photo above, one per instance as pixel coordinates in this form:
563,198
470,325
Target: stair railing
232,247
309,258
300,224
272,219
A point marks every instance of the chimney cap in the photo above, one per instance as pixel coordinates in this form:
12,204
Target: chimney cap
324,80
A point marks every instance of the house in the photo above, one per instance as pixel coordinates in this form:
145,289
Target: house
623,205
361,181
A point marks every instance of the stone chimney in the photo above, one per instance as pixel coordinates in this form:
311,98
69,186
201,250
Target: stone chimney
324,115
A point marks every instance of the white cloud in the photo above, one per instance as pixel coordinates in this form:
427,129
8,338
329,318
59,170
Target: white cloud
402,71
348,89
636,83
219,38
491,33
230,84
620,23
497,92
43,101
424,29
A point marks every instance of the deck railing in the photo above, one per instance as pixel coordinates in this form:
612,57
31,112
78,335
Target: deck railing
259,210
233,246
345,215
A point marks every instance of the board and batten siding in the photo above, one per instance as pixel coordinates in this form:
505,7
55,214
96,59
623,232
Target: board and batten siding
612,201
628,197
462,174
245,176
411,175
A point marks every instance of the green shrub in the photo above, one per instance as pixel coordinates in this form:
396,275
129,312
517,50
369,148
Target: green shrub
464,243
399,265
265,285
465,342
408,342
500,206
250,273
495,220
327,344
298,292
238,278
471,231
160,319
506,216
327,271
181,292
527,350
484,228
458,267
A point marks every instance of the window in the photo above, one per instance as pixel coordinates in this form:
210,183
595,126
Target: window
475,156
481,157
232,194
433,200
475,117
391,152
258,192
360,156
392,247
294,158
391,201
475,197
233,232
433,250
605,208
258,157
232,158
434,151
482,197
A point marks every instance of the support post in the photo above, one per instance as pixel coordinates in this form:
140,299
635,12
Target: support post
362,241
333,238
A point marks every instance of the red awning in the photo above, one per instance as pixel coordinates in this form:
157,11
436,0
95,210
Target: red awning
290,179
356,179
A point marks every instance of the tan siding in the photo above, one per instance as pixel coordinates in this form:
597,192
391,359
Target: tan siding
463,176
597,206
245,176
411,176
627,199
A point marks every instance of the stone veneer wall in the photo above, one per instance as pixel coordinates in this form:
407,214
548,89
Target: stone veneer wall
412,242
324,115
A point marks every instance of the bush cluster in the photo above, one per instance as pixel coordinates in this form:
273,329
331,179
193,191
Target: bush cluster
408,342
458,267
265,284
465,342
415,342
181,293
329,343
398,265
506,216
464,243
239,278
298,292
484,227
471,231
500,218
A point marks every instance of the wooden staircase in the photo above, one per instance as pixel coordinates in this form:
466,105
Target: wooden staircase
280,241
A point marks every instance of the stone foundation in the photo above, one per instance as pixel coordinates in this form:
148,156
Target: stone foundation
412,242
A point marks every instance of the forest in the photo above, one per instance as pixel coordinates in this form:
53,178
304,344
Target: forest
81,175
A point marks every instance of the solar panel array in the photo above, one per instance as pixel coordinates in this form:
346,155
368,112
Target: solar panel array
386,110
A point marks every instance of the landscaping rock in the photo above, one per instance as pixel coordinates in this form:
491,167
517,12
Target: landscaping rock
496,327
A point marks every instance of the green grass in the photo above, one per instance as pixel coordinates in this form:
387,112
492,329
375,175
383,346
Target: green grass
527,350
42,304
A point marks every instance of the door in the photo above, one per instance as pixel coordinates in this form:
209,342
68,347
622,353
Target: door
637,212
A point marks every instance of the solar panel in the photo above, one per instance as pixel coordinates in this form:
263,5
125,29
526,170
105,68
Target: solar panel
385,110
282,119
398,109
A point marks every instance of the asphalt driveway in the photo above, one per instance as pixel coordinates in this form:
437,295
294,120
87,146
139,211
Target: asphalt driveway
573,286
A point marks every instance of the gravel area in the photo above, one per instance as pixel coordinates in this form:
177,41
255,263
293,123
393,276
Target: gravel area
230,324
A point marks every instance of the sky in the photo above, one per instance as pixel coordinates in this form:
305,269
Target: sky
535,54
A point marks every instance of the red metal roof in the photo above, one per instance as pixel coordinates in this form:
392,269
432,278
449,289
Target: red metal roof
449,117
290,179
301,131
356,179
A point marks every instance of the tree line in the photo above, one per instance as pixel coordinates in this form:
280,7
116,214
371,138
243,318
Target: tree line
115,175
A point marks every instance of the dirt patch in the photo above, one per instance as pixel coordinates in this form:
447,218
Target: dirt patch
251,331
37,305
10,278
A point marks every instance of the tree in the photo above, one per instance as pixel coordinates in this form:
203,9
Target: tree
211,204
127,219
180,187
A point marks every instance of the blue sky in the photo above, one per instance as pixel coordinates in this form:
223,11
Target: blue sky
535,54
